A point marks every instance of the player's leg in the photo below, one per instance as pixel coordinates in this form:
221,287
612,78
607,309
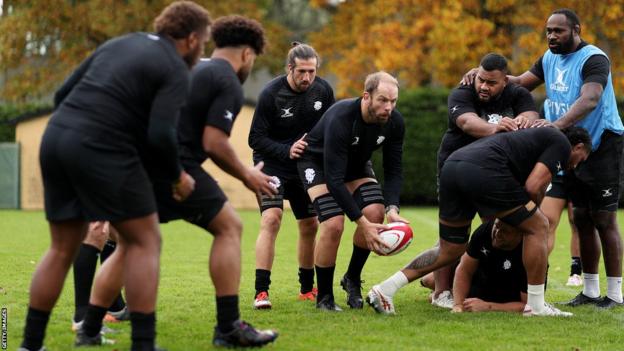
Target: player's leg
305,256
307,223
270,223
369,197
552,207
118,311
608,230
455,217
576,267
271,211
331,226
530,221
605,196
84,268
64,212
590,250
207,207
49,277
225,268
442,296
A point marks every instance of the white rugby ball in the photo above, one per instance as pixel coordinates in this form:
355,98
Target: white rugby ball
398,238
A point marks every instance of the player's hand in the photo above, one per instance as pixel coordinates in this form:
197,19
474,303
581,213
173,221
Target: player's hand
474,304
506,124
457,309
522,122
469,77
183,187
297,149
371,234
393,216
538,123
259,182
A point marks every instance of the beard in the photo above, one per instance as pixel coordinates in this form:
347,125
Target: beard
564,47
377,117
242,75
192,57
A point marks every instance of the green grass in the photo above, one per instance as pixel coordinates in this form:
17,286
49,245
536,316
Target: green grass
186,298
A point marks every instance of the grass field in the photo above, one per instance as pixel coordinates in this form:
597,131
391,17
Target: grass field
186,298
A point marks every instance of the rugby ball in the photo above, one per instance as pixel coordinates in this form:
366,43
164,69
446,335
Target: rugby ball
398,238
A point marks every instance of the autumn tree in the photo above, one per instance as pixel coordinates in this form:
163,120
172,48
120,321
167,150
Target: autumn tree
433,42
42,41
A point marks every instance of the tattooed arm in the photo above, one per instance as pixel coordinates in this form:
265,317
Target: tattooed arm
432,259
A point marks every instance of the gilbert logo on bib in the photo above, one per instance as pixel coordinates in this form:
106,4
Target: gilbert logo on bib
559,84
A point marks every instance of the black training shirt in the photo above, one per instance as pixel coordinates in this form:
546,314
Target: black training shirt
519,151
511,102
281,118
129,91
344,142
595,69
500,276
215,99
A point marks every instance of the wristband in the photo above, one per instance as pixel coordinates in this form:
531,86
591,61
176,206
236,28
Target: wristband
392,207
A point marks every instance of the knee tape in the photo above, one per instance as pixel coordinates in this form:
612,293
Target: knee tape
518,216
368,193
456,235
326,207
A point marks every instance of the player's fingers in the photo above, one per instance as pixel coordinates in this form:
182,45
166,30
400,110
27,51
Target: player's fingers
260,165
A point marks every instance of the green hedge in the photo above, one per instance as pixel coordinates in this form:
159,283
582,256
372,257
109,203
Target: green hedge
426,119
9,112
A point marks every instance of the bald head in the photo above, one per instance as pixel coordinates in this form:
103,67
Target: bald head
372,81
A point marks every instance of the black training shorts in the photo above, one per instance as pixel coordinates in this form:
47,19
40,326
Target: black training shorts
200,208
311,172
597,182
289,188
467,189
92,178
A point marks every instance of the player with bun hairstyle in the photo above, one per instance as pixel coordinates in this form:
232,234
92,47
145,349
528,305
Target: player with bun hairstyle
288,107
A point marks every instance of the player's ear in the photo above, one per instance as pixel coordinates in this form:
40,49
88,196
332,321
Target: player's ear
192,40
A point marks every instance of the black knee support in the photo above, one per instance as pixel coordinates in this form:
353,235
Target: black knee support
518,216
326,207
368,193
456,235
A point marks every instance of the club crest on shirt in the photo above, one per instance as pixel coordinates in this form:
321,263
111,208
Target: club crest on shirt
494,118
507,264
309,175
317,105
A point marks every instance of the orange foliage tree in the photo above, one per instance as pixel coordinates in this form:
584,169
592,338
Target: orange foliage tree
43,41
433,42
